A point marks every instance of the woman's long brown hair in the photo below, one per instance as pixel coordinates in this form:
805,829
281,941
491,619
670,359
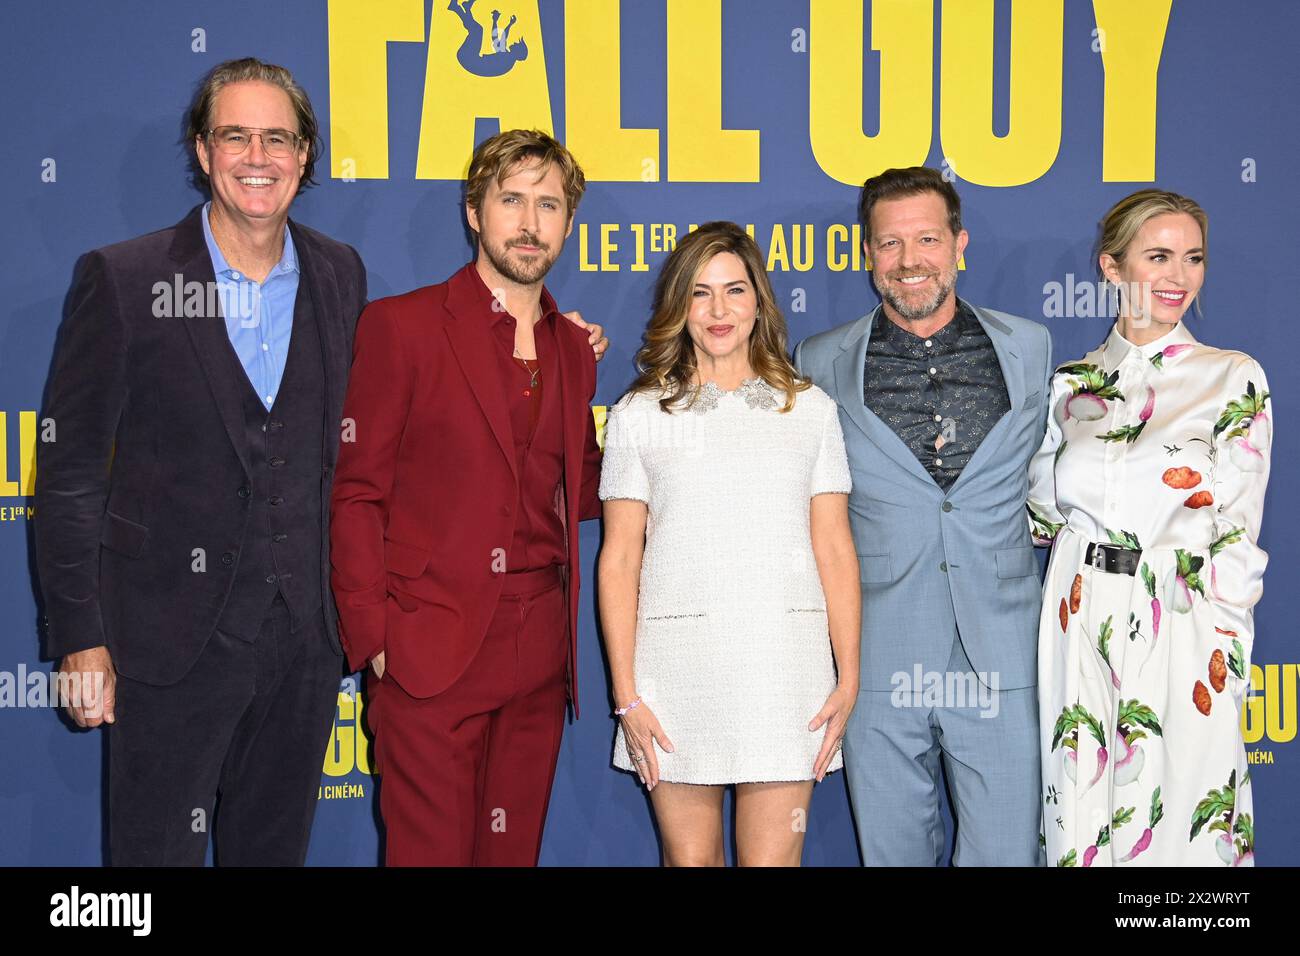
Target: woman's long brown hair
666,360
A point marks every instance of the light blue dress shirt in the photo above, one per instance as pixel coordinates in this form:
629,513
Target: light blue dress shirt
259,316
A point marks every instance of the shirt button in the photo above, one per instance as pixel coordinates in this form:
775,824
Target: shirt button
938,418
928,343
279,536
933,370
265,347
270,579
276,461
276,500
243,492
270,398
527,393
943,566
235,275
947,506
228,558
939,462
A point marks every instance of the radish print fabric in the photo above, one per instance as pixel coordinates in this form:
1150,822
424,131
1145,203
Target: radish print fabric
1162,449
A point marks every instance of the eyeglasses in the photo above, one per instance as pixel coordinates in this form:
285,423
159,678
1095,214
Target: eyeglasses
277,143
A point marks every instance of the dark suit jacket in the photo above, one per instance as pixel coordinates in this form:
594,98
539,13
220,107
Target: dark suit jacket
426,493
149,452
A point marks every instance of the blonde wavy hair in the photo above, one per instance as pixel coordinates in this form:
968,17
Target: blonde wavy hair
666,360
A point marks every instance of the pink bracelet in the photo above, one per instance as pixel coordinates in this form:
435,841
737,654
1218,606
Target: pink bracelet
623,710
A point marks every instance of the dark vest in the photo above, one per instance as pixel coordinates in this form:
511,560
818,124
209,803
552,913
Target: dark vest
282,540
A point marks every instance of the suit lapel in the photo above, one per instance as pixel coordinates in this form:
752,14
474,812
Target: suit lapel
316,278
574,407
849,389
571,410
1013,375
470,335
207,333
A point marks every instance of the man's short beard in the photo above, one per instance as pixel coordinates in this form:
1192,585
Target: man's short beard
525,273
928,307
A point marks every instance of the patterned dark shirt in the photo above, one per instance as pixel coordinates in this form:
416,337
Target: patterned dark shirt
946,387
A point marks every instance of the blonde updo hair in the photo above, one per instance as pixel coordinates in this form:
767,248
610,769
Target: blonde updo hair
1120,225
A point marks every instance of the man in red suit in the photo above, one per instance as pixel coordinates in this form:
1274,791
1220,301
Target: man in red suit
468,457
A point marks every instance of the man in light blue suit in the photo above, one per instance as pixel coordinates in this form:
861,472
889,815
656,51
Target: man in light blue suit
942,405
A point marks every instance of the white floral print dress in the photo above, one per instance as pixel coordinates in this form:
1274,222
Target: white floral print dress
1162,449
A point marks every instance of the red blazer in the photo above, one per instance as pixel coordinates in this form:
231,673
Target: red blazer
426,488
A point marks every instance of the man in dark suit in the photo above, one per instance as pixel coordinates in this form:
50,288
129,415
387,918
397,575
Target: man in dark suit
182,544
455,511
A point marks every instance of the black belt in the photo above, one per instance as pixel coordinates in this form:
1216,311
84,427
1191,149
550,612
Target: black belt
1112,558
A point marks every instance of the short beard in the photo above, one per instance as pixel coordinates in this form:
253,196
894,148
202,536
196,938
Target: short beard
947,281
525,273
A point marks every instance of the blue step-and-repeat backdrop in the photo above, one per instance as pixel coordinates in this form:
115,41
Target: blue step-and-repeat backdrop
767,112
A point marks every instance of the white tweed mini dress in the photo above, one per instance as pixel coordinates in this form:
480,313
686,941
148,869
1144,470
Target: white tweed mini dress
733,652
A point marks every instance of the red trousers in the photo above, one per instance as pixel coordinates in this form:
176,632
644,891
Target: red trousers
467,773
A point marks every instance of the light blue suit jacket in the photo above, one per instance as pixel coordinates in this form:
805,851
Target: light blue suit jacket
931,561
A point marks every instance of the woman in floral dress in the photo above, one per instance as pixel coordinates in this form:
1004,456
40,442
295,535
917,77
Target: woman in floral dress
1150,482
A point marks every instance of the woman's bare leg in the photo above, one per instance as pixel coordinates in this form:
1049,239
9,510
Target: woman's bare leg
771,820
690,823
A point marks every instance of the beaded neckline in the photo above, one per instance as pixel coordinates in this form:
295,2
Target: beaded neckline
756,392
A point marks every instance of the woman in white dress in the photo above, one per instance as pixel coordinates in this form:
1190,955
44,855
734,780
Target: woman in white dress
728,580
1151,482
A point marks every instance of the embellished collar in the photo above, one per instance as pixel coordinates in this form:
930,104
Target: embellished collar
756,392
1176,341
